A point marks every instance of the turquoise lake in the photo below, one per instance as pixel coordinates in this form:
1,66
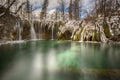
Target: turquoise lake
59,60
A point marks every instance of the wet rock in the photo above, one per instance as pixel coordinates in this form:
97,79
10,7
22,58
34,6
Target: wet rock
115,38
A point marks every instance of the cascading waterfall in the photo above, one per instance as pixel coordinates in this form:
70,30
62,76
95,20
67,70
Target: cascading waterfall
33,34
102,35
82,34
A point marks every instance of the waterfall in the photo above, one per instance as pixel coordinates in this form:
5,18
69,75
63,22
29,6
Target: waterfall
39,30
83,34
20,31
18,27
33,34
40,36
52,37
102,35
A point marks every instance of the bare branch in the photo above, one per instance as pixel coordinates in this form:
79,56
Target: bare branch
7,9
10,5
20,7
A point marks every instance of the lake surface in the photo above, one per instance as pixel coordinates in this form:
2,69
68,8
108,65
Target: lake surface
59,60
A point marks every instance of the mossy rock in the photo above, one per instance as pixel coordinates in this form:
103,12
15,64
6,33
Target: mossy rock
77,35
95,36
26,24
61,23
26,30
106,30
64,36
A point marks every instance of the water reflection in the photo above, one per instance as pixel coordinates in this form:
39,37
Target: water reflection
36,67
56,60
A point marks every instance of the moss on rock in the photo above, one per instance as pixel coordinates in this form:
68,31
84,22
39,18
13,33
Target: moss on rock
106,30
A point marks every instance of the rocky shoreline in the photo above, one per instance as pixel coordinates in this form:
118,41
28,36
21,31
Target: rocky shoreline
23,41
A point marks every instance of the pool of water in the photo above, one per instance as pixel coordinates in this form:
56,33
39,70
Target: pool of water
59,60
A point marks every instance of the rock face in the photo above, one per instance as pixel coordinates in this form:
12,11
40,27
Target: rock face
7,22
42,30
90,32
65,31
13,28
16,29
115,38
79,31
100,31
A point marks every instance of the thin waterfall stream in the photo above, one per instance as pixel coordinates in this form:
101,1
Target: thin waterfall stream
18,28
52,37
20,31
33,33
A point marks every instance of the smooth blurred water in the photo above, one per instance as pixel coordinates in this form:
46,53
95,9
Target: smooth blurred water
59,60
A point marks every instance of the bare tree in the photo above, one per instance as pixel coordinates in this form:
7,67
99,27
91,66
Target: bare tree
8,2
11,3
2,2
70,9
20,7
76,9
62,5
107,8
7,9
28,9
44,9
